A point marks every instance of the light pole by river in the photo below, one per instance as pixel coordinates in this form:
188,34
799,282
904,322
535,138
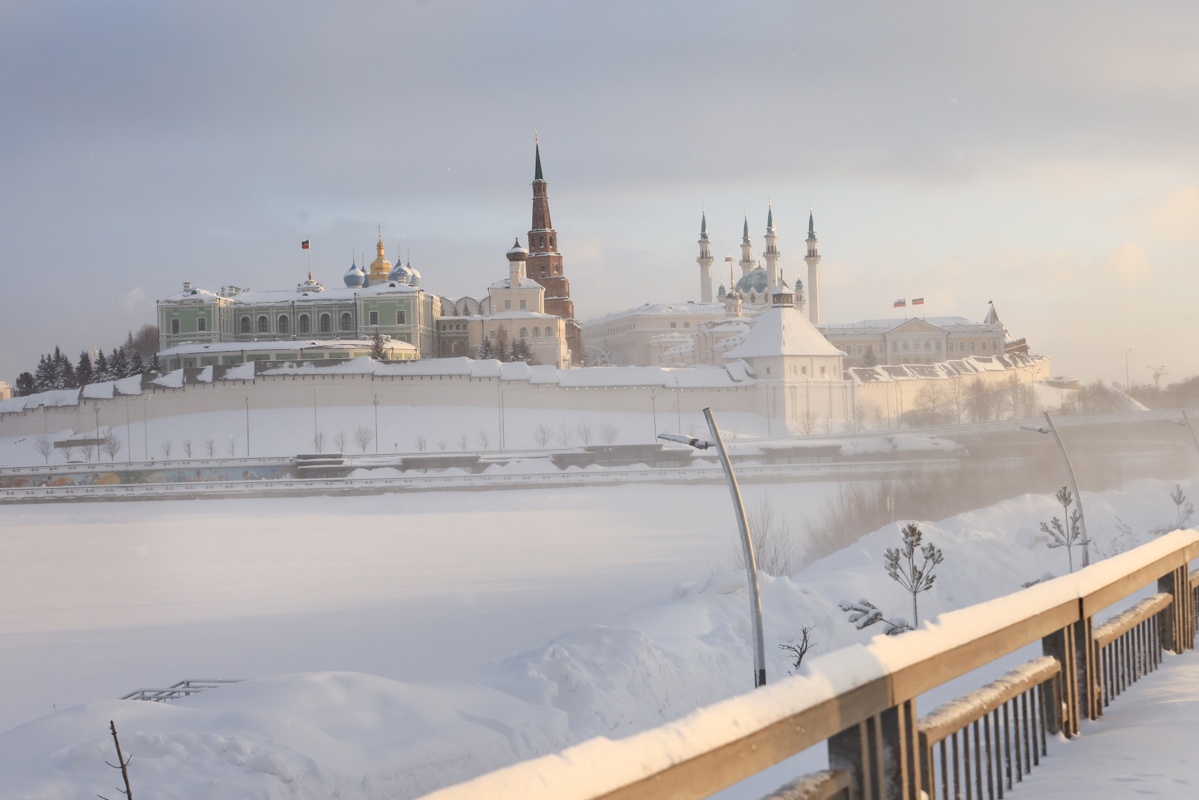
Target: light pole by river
247,426
1082,520
747,544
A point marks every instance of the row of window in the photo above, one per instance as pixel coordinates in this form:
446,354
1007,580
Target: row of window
524,333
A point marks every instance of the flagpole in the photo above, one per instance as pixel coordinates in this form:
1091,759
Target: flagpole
309,248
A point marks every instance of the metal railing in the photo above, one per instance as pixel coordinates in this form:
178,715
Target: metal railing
861,700
178,690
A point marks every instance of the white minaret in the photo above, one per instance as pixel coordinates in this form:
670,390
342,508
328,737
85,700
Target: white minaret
800,299
771,254
813,260
704,261
516,265
747,250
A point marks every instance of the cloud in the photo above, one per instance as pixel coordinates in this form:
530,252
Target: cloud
136,300
1129,263
1174,217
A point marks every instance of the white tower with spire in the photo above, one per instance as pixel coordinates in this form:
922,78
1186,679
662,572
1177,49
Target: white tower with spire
747,250
704,261
813,261
771,254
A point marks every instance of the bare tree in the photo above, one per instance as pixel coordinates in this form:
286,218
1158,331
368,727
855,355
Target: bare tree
584,431
232,447
166,449
210,446
422,441
187,447
903,569
318,441
1069,534
774,549
483,438
363,436
340,441
441,445
463,442
800,649
1183,506
542,435
44,446
122,764
608,433
827,424
807,422
111,446
566,436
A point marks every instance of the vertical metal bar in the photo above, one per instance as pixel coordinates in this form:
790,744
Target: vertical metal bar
751,564
978,759
944,771
957,778
1007,744
1024,721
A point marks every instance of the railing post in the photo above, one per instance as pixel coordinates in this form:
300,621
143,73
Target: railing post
1090,675
882,754
1060,645
1178,628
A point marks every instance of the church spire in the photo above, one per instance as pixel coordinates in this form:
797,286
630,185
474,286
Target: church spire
704,260
747,249
537,176
813,260
544,264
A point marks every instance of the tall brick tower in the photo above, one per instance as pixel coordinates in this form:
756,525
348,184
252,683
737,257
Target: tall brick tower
544,264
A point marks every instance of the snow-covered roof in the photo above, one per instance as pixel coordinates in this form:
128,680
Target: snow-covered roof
782,331
192,348
687,308
878,326
270,296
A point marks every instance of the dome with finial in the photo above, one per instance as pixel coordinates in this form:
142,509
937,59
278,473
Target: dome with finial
518,253
404,273
380,267
753,281
355,276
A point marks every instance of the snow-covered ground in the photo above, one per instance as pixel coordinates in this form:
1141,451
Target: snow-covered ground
395,644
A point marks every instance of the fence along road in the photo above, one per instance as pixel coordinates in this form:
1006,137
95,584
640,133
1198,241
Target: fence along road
861,700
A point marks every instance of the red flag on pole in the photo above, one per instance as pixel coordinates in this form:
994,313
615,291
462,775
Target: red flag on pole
304,245
901,303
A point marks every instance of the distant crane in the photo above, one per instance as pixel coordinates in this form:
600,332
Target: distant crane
1158,372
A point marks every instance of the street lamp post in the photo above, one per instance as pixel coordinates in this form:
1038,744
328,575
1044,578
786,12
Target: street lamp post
375,402
128,434
247,426
145,428
747,544
1082,520
96,432
1127,380
653,404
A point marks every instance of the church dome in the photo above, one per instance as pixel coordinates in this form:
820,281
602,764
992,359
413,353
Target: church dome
518,253
752,281
354,276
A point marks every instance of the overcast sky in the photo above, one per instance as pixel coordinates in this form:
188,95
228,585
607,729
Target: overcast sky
1043,156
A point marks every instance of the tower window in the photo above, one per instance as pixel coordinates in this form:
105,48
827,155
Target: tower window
245,325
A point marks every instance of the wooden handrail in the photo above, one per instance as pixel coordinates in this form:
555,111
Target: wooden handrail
863,687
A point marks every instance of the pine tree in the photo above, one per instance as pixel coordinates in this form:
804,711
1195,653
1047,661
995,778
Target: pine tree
486,350
43,376
25,385
118,364
521,351
102,370
136,365
378,352
84,374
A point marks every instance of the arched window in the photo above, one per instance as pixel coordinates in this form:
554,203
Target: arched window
536,333
345,321
524,333
305,324
326,323
264,324
245,325
284,324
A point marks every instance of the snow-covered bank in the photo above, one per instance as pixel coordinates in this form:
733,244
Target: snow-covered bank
336,733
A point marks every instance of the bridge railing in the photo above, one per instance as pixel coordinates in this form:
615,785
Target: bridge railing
861,700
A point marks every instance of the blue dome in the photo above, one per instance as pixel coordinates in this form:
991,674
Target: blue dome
405,274
355,276
752,281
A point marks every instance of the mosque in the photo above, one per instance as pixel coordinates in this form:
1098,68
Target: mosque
705,332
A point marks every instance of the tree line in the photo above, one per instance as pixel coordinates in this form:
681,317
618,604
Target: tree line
57,371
